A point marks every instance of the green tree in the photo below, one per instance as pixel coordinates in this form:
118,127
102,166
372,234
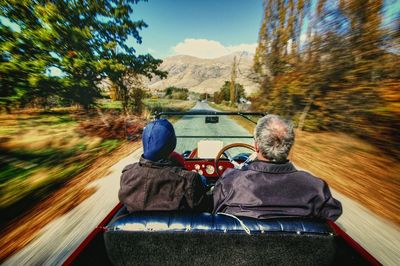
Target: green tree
176,93
224,94
204,96
85,40
23,54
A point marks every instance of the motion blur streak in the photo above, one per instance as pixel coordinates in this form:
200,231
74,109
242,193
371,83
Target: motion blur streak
333,65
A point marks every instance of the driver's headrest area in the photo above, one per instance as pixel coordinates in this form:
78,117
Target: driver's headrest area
169,238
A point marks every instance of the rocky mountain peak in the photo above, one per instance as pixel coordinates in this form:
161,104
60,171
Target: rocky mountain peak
204,75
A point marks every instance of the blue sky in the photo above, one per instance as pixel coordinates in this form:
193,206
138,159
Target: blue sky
204,28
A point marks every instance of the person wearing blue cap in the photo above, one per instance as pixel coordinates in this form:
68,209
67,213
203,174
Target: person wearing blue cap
156,183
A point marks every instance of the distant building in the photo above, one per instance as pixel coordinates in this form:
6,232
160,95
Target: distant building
244,101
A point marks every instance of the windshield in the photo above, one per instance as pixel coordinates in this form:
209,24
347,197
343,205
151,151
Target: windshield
191,129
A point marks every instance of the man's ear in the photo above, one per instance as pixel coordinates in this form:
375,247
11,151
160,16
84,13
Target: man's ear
256,147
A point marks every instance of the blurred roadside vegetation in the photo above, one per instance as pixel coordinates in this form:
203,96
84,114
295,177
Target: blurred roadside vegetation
332,66
42,149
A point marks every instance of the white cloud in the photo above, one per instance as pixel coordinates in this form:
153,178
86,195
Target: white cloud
244,47
204,48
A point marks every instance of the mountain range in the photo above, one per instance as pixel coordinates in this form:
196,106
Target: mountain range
204,75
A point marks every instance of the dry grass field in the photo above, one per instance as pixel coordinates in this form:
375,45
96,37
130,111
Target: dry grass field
353,167
43,150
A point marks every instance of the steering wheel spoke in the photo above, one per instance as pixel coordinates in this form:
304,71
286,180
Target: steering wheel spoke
236,164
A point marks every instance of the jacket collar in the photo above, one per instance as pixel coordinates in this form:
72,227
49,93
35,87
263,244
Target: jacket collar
270,167
157,164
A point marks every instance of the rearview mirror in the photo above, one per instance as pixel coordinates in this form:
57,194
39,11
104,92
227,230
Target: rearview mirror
212,119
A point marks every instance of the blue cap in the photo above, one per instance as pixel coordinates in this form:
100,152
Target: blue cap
158,139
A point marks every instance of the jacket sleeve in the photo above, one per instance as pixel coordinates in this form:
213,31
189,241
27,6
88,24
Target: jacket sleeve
201,202
331,208
129,192
219,197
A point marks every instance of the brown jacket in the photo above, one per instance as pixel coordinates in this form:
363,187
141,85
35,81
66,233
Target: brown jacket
161,186
269,190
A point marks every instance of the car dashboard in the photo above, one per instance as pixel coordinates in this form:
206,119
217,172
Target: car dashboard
207,167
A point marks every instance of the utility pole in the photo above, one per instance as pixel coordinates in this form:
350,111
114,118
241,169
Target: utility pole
232,85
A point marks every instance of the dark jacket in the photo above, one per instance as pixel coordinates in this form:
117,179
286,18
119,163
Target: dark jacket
161,186
268,190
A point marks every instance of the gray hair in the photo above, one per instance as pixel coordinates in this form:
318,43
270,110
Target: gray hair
274,137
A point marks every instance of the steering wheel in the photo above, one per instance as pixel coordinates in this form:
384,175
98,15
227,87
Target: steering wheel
235,164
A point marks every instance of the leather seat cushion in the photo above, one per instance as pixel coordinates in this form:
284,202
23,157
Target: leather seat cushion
206,222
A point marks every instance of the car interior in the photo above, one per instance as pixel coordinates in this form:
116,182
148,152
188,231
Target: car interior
182,238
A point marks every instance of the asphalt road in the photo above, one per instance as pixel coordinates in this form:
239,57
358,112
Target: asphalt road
196,126
58,239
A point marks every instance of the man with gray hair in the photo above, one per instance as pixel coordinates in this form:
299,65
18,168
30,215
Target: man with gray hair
271,186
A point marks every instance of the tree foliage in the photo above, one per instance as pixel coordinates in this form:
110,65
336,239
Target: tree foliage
85,41
176,93
204,96
331,65
224,94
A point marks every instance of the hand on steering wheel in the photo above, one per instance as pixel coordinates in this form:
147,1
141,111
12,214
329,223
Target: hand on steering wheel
231,160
